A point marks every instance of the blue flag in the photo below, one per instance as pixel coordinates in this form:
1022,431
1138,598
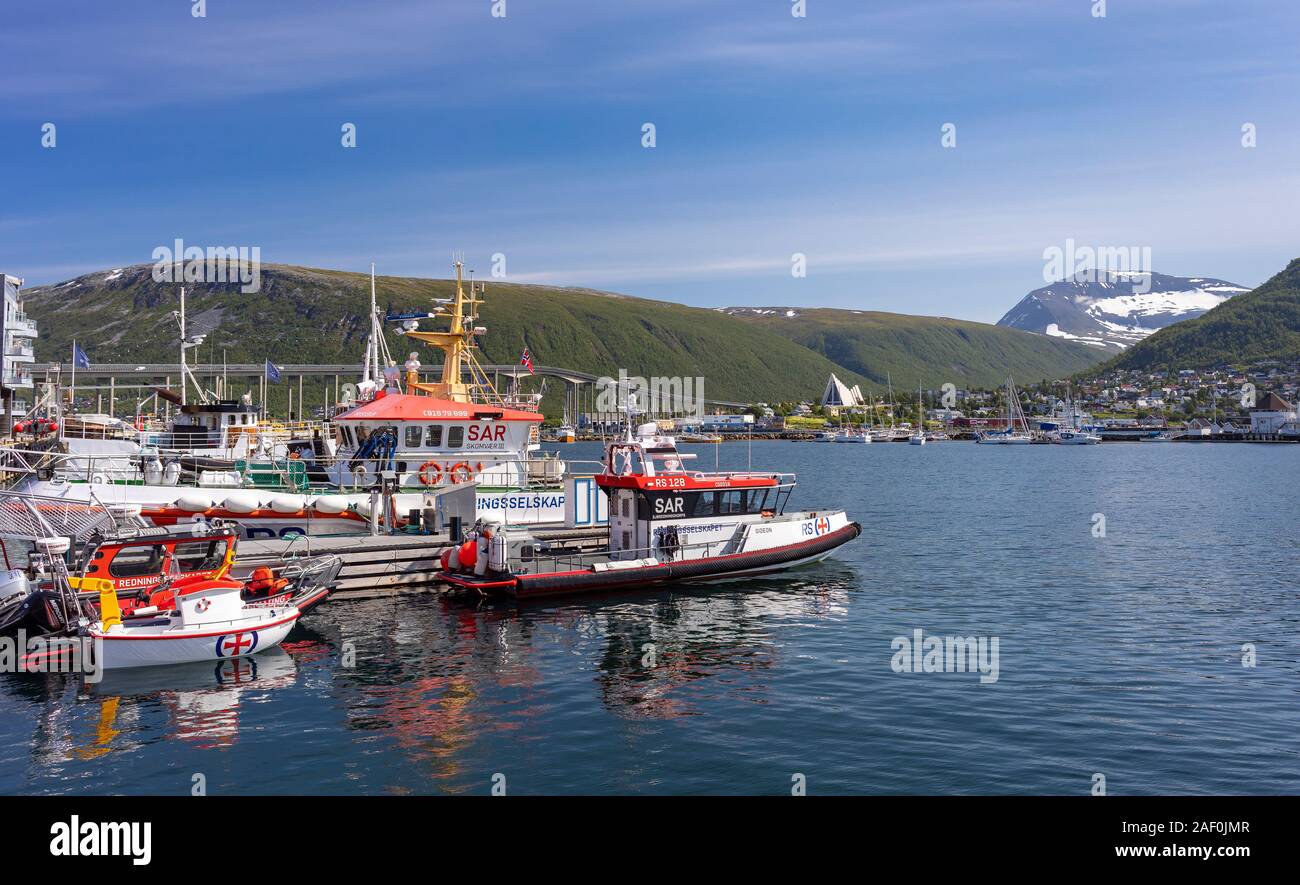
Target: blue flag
272,373
79,358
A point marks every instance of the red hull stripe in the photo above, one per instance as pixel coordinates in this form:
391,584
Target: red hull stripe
248,629
675,483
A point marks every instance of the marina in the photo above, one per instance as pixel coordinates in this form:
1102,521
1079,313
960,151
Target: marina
444,688
521,400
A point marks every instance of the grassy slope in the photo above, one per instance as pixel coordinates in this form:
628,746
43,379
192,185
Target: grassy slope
314,316
1258,325
928,350
306,315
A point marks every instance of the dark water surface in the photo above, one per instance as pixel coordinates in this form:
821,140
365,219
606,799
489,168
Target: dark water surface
1119,655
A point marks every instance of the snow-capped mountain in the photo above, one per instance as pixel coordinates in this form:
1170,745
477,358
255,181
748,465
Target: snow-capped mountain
1117,309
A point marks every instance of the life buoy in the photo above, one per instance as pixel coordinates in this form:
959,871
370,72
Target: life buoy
430,473
202,605
461,472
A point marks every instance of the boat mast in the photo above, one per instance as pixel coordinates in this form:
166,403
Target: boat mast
457,345
376,332
184,385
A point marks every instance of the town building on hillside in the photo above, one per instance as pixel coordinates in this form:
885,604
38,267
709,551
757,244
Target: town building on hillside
1270,414
16,334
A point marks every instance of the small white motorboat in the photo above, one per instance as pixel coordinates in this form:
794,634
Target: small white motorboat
211,621
1074,438
203,615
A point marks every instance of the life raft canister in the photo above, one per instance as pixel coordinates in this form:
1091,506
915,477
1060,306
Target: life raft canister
430,473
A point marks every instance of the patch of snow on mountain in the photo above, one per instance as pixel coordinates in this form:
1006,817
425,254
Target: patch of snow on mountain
1056,332
1148,303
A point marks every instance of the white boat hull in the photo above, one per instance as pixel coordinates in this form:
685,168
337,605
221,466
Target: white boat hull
134,648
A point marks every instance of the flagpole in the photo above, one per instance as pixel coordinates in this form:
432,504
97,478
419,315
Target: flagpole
72,396
265,388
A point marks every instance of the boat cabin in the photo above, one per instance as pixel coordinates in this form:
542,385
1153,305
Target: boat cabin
144,558
428,441
657,505
228,425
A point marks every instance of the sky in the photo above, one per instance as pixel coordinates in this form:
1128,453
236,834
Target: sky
774,135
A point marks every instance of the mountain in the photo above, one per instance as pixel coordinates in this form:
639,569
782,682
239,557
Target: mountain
307,315
1263,324
1110,314
907,350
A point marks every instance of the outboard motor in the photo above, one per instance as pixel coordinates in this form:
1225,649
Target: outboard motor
153,472
13,582
172,473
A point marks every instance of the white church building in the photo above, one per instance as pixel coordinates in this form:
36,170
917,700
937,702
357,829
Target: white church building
839,395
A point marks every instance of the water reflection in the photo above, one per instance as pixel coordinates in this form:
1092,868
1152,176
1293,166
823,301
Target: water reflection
200,704
441,681
437,675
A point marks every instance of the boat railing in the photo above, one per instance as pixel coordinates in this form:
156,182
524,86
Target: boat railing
546,563
30,517
286,473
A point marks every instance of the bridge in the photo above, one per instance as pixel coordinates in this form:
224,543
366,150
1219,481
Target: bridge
107,381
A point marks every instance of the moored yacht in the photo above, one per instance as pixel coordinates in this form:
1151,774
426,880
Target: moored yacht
1017,431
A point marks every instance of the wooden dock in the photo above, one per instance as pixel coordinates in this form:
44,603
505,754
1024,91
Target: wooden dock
376,566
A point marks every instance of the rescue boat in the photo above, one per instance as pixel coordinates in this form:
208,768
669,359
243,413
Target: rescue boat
666,524
148,596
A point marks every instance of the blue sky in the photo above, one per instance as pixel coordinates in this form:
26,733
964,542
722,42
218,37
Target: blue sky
523,135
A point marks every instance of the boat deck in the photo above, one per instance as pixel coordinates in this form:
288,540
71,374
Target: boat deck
376,566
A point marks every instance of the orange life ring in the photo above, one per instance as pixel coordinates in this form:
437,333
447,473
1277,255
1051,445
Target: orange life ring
431,473
461,472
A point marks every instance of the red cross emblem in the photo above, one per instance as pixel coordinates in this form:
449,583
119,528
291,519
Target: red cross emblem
237,644
237,670
823,526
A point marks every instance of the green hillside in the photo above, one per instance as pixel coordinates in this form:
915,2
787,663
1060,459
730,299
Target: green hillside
305,315
1263,324
911,350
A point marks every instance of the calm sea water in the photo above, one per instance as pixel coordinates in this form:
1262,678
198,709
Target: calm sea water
1120,655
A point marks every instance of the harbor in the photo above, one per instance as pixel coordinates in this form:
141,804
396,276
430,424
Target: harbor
559,401
440,687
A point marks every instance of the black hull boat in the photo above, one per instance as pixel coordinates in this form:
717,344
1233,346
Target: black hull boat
728,566
666,525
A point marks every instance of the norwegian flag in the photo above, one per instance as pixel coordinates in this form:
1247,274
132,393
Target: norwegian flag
527,360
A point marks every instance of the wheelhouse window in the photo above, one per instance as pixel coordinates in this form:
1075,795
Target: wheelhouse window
414,433
199,556
433,436
135,562
695,505
455,436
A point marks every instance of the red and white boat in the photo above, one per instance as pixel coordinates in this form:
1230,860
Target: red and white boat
152,596
666,524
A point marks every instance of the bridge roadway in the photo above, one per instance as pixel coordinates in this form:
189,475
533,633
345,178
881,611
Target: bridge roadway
150,374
